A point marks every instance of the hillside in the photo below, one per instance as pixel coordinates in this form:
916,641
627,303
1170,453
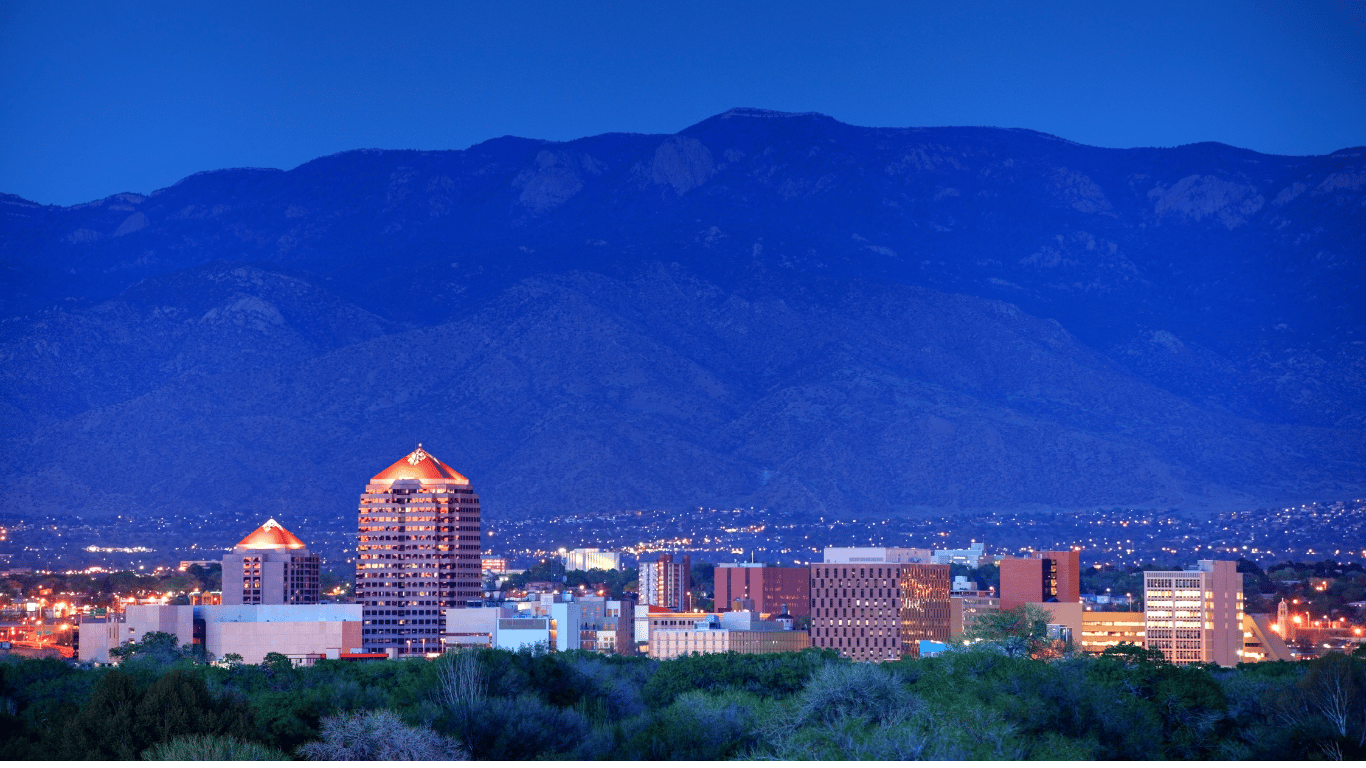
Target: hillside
764,309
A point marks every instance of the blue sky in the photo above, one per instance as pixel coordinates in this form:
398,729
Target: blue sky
99,98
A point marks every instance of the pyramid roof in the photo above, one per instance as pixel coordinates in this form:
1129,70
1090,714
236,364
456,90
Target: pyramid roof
271,535
420,465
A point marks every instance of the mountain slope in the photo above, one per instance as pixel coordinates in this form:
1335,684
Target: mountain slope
765,308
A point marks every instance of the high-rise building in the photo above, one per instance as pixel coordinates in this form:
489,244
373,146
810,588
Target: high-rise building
1196,615
418,553
666,583
878,611
768,588
1047,577
271,566
592,559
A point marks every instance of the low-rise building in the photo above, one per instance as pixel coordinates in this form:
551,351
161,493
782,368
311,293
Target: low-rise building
251,631
590,559
1104,629
730,632
967,602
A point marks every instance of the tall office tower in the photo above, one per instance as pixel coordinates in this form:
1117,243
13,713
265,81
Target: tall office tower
878,611
1196,615
418,553
1047,577
765,588
271,566
666,583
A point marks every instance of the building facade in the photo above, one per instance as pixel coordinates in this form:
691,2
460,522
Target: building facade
729,632
1046,577
878,611
1196,615
418,553
666,583
1105,629
592,559
765,589
271,566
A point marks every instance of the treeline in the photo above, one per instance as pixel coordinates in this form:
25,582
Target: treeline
974,702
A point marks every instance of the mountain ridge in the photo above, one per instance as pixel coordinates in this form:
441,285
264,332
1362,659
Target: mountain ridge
831,318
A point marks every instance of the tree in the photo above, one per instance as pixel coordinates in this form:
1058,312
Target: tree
379,735
1019,631
102,729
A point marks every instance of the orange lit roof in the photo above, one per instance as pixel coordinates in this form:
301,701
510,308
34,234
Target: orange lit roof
420,465
271,535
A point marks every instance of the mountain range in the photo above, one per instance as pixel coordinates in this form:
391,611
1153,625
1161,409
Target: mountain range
765,309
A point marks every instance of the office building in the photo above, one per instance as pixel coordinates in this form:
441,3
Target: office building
666,583
967,602
728,632
1104,629
271,566
765,589
418,553
877,555
1195,615
612,624
592,559
1046,577
491,564
972,557
878,611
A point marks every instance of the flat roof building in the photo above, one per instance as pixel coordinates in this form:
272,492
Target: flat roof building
1045,577
1195,616
767,588
878,611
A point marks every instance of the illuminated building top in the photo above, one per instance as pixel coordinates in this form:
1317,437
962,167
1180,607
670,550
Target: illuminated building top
422,466
272,536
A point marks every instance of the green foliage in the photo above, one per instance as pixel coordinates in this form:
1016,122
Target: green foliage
1021,631
207,747
985,701
773,674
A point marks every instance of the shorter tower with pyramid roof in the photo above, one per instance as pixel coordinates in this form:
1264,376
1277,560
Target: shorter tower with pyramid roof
271,566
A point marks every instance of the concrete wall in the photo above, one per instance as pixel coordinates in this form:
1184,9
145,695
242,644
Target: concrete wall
253,640
264,618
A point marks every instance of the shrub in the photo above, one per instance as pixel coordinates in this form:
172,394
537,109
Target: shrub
206,747
378,735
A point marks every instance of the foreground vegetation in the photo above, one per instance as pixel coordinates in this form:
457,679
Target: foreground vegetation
978,702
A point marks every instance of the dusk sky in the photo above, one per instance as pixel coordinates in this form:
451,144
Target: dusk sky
100,98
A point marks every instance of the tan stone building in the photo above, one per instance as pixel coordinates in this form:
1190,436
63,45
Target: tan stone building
271,566
1195,615
1103,629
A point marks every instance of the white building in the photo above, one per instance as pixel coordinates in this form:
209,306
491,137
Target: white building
301,632
877,555
1195,615
592,559
973,556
